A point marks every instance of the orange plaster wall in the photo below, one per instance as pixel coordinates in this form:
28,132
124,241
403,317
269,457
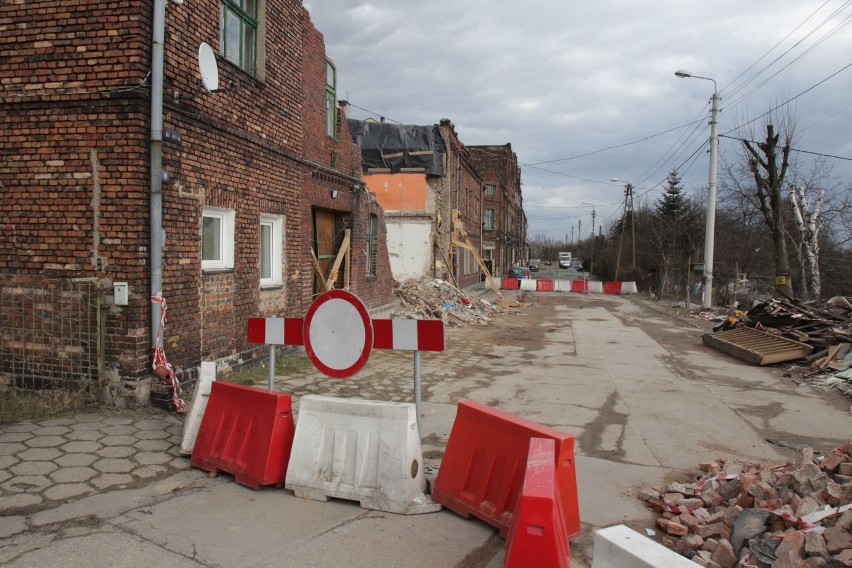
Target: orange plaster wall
398,192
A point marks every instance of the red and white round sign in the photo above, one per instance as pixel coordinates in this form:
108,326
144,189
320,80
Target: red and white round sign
338,334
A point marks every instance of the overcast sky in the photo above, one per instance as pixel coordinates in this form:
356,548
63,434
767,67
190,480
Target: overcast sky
586,91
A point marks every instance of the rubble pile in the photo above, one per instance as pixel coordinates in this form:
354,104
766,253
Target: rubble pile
827,327
436,298
760,515
821,327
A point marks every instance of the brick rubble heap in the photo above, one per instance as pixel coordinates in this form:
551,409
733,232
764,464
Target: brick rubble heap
761,515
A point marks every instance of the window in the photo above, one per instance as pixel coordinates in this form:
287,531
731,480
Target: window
372,233
217,239
238,33
489,190
489,220
330,99
271,249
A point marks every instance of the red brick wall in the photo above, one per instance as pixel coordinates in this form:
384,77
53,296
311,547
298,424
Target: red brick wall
74,151
499,165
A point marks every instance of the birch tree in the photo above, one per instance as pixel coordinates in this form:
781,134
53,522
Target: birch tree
807,217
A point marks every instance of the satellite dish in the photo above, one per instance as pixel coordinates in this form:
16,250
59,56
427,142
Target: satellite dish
208,67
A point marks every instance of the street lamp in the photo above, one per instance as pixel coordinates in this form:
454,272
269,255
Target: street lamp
709,230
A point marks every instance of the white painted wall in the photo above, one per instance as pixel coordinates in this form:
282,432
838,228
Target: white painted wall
409,248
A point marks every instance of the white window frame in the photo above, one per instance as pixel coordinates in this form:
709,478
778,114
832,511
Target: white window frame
227,222
488,220
330,99
276,222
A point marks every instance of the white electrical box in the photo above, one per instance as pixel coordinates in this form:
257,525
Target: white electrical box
121,292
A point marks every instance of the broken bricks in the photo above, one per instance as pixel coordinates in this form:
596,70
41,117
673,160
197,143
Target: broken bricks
795,515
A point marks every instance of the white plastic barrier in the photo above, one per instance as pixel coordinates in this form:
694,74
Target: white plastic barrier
622,547
596,287
563,285
497,280
528,284
206,376
361,450
629,288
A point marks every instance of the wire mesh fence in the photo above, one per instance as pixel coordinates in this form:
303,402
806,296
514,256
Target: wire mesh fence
49,346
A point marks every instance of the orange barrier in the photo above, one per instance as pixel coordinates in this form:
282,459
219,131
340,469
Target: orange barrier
483,467
544,286
510,284
612,287
581,286
537,536
247,432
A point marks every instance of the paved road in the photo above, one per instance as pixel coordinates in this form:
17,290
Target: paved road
644,398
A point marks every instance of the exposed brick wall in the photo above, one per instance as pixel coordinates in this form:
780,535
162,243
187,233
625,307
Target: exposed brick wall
75,170
464,192
498,165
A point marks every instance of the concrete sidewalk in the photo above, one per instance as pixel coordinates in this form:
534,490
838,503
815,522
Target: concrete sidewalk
106,489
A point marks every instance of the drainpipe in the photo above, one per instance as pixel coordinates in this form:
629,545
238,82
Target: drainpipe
156,197
458,199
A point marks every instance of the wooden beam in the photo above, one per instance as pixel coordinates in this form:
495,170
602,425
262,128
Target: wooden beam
318,270
341,253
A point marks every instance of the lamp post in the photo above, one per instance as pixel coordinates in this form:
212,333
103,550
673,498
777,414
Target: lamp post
709,230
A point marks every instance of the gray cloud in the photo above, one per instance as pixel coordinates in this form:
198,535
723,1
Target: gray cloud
561,79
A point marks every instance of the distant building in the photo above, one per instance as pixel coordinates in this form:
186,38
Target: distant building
504,239
257,178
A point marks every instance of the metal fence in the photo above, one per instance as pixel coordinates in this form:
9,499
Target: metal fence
50,346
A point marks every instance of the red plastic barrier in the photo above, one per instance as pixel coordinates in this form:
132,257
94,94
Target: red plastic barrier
537,537
581,286
544,285
483,466
510,284
612,287
247,432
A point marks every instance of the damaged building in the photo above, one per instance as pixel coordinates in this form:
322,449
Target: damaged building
420,175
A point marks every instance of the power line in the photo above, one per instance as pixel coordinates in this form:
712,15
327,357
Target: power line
791,149
811,88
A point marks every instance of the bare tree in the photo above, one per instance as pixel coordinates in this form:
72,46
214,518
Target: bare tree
768,177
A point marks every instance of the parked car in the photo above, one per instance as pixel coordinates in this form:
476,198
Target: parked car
534,264
577,264
518,272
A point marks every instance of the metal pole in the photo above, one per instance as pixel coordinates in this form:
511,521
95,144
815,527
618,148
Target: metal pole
709,232
156,166
271,381
417,390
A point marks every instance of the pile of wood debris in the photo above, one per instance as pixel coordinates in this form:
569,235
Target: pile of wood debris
436,298
826,327
797,515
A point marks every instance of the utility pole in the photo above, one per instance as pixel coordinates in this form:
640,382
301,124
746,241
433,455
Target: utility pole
629,190
592,259
579,231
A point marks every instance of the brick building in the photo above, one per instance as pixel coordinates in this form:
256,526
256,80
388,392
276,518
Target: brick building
420,174
256,176
504,241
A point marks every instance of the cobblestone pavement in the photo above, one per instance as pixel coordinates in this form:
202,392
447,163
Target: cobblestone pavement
50,460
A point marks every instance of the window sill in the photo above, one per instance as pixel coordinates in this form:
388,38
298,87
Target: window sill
271,287
216,270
